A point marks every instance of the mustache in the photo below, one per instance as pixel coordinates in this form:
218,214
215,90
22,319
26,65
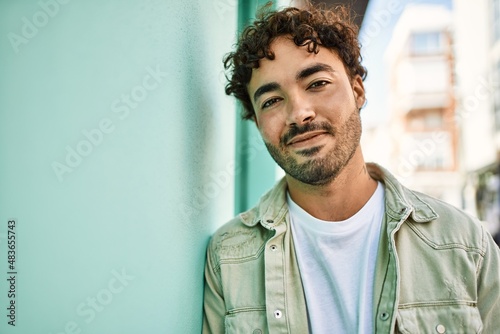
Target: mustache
308,127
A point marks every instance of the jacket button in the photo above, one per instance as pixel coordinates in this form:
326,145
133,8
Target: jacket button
277,314
440,329
257,331
274,248
384,316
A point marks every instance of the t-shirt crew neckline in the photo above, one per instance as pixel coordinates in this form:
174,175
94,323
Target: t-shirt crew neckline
336,227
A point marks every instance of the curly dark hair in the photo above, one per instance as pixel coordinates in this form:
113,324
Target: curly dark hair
310,27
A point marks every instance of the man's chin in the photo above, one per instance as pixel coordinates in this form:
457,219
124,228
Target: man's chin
313,179
309,152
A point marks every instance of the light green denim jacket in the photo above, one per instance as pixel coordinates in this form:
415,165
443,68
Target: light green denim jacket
438,270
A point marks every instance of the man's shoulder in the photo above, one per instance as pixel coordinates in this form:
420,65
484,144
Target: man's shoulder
431,218
252,227
236,240
452,226
234,226
448,212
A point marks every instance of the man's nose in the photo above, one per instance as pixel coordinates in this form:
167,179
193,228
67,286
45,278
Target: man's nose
300,111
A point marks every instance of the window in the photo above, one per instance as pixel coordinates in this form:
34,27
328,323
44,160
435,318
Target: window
425,43
434,120
431,119
426,151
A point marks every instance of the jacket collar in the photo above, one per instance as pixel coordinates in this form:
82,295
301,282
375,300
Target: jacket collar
272,207
399,199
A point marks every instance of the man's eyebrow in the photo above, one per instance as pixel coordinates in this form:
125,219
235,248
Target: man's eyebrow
264,89
304,73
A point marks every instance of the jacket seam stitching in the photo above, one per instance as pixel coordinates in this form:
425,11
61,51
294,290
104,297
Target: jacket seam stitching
285,282
242,259
245,309
382,293
437,303
443,246
215,270
480,262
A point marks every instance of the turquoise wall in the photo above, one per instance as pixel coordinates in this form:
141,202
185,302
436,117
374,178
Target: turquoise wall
117,161
257,170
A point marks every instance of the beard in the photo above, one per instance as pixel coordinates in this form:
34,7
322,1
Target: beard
321,170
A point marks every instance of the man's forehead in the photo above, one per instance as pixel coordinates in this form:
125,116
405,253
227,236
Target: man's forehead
286,44
296,57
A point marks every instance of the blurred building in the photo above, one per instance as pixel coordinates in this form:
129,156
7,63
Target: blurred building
477,36
423,132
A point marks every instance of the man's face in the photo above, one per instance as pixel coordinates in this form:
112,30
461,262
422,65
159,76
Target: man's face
306,109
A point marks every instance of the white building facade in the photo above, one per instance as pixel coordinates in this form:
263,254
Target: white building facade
477,31
423,130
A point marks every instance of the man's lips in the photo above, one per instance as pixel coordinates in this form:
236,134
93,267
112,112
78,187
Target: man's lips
305,137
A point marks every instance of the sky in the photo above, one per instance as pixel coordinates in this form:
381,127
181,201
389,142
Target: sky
380,18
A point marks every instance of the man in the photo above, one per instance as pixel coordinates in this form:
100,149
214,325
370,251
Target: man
338,245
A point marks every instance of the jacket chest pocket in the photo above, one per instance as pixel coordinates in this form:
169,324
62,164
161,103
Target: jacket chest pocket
436,318
246,321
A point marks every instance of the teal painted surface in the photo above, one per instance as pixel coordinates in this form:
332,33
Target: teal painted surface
258,169
116,146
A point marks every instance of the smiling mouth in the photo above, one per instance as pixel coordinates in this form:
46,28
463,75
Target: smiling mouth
302,139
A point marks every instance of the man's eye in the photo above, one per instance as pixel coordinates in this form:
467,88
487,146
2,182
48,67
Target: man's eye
319,83
270,102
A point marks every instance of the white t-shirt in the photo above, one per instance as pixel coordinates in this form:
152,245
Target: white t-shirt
337,265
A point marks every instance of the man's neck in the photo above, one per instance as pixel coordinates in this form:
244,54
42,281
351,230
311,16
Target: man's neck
341,198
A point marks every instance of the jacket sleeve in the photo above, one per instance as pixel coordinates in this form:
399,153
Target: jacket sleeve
214,309
489,286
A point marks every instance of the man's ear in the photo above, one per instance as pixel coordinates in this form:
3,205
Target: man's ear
359,91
